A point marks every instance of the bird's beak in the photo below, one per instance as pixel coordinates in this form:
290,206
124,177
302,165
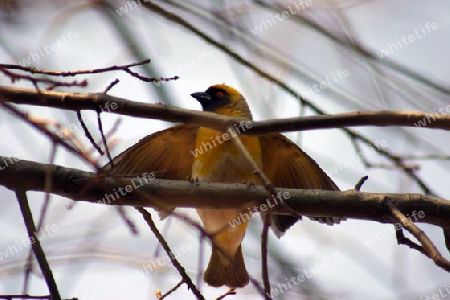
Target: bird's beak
202,97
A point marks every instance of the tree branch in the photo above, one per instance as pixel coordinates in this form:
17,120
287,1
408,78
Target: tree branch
36,244
268,185
427,244
103,102
403,240
84,186
148,218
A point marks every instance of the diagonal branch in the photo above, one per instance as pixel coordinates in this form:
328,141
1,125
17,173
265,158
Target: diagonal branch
272,193
148,218
427,244
403,240
42,129
36,244
161,297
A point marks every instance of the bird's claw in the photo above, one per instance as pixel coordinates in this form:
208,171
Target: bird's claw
248,183
193,180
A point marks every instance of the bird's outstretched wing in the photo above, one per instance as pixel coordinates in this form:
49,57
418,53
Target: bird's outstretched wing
287,166
166,153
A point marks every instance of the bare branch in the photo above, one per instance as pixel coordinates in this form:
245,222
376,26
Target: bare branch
271,190
87,133
427,244
230,292
360,182
84,186
53,137
52,83
43,214
148,218
161,297
36,244
98,101
111,85
25,296
447,238
105,143
403,240
73,73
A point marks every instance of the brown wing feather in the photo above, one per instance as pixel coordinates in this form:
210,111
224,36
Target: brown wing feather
166,153
286,165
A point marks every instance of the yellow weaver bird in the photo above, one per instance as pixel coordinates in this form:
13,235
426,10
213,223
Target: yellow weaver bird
174,151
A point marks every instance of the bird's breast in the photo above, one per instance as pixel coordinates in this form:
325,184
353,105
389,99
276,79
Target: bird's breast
219,160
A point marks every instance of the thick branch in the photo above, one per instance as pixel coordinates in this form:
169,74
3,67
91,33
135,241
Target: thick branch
81,186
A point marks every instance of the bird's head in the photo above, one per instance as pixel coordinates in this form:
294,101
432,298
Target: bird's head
225,100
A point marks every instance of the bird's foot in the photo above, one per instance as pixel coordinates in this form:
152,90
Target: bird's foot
193,180
248,183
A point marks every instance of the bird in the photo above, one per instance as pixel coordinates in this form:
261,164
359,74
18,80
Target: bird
174,154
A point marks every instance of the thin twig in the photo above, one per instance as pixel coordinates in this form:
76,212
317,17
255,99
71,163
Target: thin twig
87,133
228,293
427,244
424,157
126,68
73,73
361,50
148,218
361,182
100,128
130,224
52,83
165,232
110,86
25,296
43,214
36,244
201,251
272,193
446,233
403,166
403,240
161,297
54,138
210,237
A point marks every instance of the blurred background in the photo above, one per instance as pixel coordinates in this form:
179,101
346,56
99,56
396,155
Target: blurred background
368,55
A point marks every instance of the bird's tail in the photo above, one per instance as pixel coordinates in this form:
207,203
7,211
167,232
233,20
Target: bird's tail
223,272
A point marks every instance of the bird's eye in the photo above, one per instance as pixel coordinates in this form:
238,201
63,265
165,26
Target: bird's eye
219,94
